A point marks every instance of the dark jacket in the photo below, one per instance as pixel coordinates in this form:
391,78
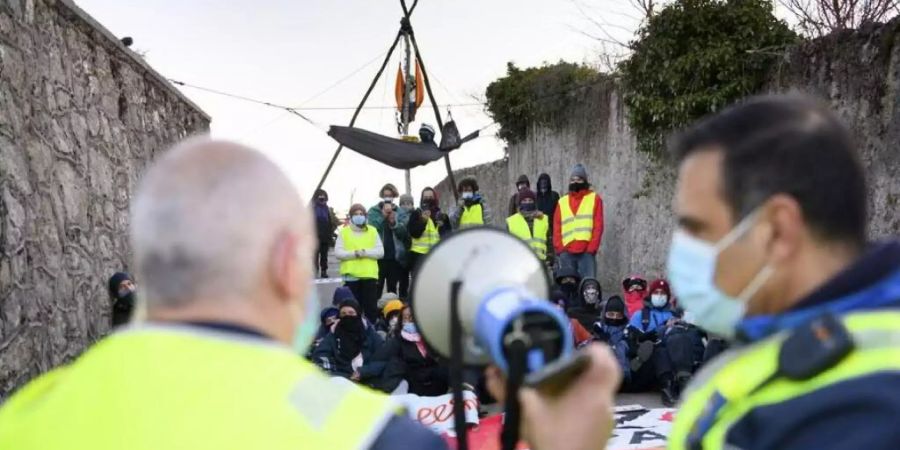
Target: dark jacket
514,199
585,313
326,220
853,414
546,201
327,356
425,375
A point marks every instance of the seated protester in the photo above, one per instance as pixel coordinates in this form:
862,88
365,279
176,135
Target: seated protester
390,318
611,328
581,334
589,308
121,292
340,294
383,301
683,341
349,351
472,210
411,361
567,280
327,318
634,290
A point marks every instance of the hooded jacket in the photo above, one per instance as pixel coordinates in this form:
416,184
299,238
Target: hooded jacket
634,301
585,313
615,335
417,224
571,298
546,201
578,247
514,199
657,318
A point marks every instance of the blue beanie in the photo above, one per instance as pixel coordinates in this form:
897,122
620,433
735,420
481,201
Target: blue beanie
342,293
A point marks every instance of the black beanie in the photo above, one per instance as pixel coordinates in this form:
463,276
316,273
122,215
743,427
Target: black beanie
351,303
115,281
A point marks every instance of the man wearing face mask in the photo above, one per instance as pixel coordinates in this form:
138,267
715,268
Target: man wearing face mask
529,224
472,210
359,248
771,250
514,200
227,315
122,293
578,224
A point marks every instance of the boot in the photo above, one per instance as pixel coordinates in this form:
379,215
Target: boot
669,392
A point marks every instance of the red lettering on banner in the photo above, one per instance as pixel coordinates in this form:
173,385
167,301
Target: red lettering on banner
668,417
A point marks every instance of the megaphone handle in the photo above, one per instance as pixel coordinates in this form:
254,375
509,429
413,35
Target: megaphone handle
512,417
456,369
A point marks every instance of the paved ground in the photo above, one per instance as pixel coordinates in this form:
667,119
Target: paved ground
326,287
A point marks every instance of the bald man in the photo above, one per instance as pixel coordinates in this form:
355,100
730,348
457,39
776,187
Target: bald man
223,246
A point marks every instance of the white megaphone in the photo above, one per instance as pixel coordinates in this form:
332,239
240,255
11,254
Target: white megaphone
501,292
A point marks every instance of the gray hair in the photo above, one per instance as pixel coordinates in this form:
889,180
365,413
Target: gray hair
205,219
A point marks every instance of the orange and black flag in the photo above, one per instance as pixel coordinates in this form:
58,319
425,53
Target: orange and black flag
417,93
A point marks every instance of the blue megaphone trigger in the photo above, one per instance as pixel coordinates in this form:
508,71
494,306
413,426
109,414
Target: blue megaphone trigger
510,313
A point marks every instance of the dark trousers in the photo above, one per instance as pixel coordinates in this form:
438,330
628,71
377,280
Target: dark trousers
414,259
390,274
367,296
321,259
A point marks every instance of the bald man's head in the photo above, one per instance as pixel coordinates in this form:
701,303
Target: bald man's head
212,222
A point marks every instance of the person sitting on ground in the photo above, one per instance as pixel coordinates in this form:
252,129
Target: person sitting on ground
567,280
340,294
589,308
634,289
327,318
530,225
359,248
122,293
580,334
514,200
349,351
472,210
611,328
412,361
647,334
390,318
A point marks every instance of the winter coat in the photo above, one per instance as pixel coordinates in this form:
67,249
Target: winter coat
578,247
615,336
456,213
547,201
657,321
425,375
327,356
441,221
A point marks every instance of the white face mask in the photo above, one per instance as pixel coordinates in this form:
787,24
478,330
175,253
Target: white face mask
393,322
659,300
692,273
591,296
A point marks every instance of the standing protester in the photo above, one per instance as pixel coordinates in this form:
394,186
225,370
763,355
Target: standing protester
547,201
771,250
423,232
530,225
521,183
403,242
359,248
578,224
383,217
326,223
471,211
222,314
634,289
121,290
429,200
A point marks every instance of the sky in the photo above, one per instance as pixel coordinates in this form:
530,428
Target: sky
291,52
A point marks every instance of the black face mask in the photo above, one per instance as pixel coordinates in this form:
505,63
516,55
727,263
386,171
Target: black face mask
427,203
576,187
568,287
126,301
350,325
615,322
322,200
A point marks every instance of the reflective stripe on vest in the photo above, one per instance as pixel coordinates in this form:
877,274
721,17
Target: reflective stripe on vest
716,402
471,216
537,240
580,225
190,388
423,244
360,268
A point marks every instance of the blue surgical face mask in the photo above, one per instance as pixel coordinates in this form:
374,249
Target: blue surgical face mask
468,195
306,329
410,328
659,300
692,273
358,220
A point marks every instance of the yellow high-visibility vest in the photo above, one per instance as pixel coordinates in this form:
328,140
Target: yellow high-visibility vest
360,268
741,380
471,216
537,239
423,244
578,226
187,388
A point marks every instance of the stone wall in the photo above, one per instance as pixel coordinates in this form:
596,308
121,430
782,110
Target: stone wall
80,118
858,72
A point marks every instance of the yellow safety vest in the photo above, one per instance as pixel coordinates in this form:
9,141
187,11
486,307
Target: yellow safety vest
537,240
722,394
578,226
423,244
186,388
472,216
359,268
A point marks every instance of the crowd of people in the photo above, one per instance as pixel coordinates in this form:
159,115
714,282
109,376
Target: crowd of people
373,341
